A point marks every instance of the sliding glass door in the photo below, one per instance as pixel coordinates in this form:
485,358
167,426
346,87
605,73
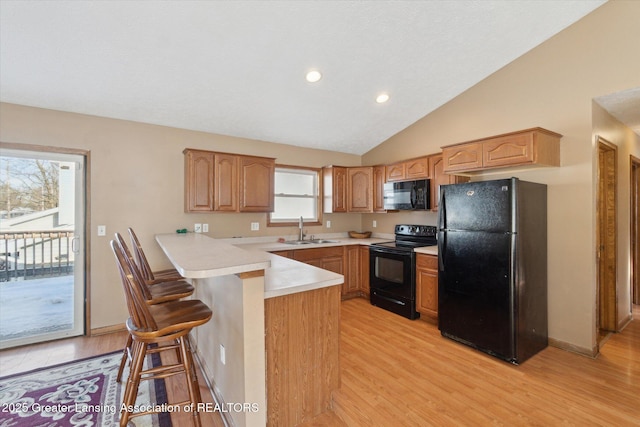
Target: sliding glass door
42,246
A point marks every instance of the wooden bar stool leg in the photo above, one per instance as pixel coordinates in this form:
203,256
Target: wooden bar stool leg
193,373
125,358
131,390
192,385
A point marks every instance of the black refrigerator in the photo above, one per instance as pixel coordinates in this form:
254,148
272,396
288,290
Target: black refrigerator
492,272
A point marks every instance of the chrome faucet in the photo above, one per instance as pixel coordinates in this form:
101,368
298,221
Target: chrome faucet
300,226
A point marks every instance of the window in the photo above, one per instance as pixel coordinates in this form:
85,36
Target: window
297,193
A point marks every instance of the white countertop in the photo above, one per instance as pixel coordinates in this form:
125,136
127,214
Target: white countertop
428,250
197,256
287,276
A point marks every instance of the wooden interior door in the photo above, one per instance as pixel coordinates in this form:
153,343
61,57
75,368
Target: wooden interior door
607,236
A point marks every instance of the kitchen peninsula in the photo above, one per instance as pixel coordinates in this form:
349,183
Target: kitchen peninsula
273,341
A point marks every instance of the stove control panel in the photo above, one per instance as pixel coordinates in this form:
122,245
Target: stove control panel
416,230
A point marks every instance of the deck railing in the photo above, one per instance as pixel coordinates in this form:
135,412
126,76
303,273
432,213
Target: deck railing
31,254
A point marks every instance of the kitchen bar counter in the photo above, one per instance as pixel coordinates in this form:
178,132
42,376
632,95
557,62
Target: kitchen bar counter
197,256
272,343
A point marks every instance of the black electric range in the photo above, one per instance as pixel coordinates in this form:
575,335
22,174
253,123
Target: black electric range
392,283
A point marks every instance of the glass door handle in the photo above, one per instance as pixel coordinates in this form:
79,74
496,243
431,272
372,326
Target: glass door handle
74,244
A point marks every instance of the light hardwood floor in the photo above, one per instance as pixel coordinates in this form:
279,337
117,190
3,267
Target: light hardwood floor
398,372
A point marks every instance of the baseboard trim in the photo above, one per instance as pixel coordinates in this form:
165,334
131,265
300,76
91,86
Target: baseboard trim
624,322
107,330
591,353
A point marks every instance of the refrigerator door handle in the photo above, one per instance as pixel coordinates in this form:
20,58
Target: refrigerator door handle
442,236
441,211
442,245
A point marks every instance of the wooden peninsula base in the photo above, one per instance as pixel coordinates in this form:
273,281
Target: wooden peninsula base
302,352
271,350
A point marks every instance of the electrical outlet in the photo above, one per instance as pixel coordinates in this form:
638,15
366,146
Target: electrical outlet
255,226
375,223
197,228
328,224
223,358
205,228
102,230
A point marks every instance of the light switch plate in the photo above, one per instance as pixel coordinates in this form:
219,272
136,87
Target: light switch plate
102,230
205,228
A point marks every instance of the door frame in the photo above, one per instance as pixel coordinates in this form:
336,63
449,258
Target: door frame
634,203
606,238
87,209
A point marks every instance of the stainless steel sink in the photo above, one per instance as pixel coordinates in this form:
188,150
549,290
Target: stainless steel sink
298,242
309,242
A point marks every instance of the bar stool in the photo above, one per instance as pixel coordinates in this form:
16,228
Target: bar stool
155,292
143,264
166,326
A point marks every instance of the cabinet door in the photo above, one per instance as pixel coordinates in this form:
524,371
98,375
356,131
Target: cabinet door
257,176
396,172
335,189
438,178
508,150
379,177
198,181
427,285
417,168
360,189
351,286
364,269
226,183
462,157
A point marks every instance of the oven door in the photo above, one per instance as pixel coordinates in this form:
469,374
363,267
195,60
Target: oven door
392,280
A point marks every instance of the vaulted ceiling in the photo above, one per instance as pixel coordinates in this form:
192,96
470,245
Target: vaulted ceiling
237,67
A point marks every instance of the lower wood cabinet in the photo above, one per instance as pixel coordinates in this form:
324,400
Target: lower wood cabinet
352,261
364,269
427,287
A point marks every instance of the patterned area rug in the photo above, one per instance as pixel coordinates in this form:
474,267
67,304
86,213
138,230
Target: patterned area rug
82,393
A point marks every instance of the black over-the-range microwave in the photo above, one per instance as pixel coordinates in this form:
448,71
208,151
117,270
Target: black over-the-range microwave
407,195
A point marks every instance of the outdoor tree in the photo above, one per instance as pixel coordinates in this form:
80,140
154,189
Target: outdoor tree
28,184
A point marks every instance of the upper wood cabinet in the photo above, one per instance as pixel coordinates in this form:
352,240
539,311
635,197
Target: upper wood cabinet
349,189
360,189
224,182
439,177
257,180
408,170
335,189
379,177
198,180
535,146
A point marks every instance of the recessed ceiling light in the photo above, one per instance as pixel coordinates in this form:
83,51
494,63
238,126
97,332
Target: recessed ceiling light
382,98
313,76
